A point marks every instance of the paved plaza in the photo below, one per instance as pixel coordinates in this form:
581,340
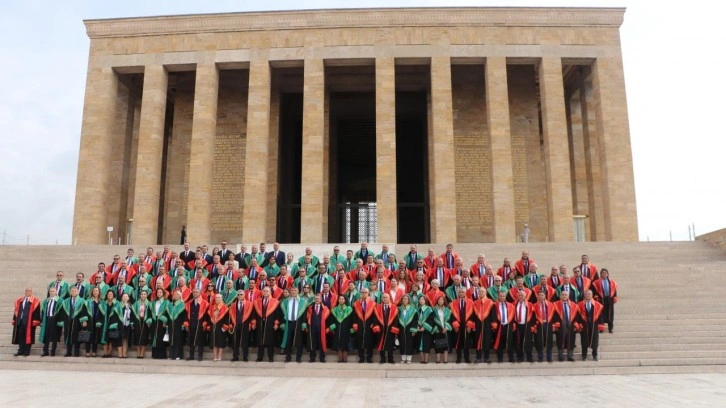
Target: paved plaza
35,388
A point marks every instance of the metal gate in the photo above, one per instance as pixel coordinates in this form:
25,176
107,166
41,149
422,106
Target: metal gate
359,222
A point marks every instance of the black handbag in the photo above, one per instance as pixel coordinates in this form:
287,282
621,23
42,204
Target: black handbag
441,344
84,336
114,334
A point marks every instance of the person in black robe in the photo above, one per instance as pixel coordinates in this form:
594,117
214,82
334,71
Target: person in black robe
196,324
49,330
564,326
219,326
241,321
363,323
176,310
341,318
408,327
386,327
462,310
483,316
424,327
544,312
140,312
26,317
75,318
317,318
268,321
590,318
158,320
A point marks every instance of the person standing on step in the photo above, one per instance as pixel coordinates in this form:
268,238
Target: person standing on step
139,313
293,309
317,328
268,315
564,326
242,320
196,324
363,323
606,292
503,327
49,330
483,318
590,318
386,327
26,317
408,324
74,315
341,319
544,312
462,310
176,310
158,321
523,319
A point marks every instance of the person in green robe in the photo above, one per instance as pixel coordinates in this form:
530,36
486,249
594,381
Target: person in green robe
375,294
60,286
293,312
49,330
342,317
302,280
424,328
95,320
308,258
157,320
74,316
322,276
351,295
349,262
416,293
272,269
103,324
337,256
101,285
140,312
229,294
408,327
441,330
453,290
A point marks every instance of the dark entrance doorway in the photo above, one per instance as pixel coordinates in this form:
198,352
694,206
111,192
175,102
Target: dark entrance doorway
290,167
412,166
352,126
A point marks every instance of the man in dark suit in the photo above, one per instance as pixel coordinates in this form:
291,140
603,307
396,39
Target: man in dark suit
277,254
240,257
206,255
187,255
224,252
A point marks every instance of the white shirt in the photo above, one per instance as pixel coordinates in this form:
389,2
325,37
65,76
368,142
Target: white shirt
294,305
522,313
441,317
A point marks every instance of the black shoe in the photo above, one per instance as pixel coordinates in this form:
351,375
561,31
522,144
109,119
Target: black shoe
67,355
500,360
382,362
288,359
52,354
361,361
595,358
312,360
370,361
258,359
245,359
322,360
190,358
18,354
271,359
584,357
570,358
488,361
298,360
467,361
200,358
458,361
44,355
235,359
391,362
549,360
610,330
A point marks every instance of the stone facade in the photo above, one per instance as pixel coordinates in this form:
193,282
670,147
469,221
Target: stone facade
527,123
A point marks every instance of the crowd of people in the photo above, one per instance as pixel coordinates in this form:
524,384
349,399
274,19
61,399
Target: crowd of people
180,304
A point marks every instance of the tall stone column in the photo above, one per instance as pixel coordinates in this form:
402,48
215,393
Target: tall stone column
312,210
148,164
386,198
255,211
92,186
611,110
441,165
201,161
556,150
500,140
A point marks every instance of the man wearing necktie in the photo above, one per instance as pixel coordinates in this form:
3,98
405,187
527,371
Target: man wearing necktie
75,318
387,328
449,257
242,320
607,293
543,333
523,335
566,330
503,336
49,330
316,320
462,323
363,323
269,316
197,322
293,309
26,317
590,317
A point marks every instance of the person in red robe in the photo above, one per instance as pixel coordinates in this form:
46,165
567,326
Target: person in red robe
462,321
26,317
565,326
588,269
522,265
590,317
317,330
450,257
606,292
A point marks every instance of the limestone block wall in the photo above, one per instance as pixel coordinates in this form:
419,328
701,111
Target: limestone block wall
474,217
229,157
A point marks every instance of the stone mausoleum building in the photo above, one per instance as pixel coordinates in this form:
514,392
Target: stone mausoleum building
388,125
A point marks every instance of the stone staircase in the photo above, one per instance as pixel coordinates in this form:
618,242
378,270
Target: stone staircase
670,317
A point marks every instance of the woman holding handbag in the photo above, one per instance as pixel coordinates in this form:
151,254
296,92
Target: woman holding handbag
442,327
157,321
120,330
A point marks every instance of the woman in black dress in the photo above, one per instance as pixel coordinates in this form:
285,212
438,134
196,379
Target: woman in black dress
158,325
139,317
122,317
106,316
341,317
219,320
425,327
442,328
95,321
177,316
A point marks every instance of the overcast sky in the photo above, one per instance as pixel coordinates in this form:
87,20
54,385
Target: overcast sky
674,72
